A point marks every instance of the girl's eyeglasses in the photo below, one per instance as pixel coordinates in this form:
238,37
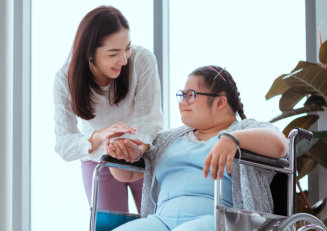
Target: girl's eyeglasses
190,95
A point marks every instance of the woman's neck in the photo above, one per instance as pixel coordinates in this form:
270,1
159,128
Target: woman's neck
103,82
100,79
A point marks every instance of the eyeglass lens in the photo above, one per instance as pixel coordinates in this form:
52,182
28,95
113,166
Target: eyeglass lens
189,95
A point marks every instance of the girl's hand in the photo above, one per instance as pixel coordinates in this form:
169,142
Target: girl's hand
115,130
128,149
223,151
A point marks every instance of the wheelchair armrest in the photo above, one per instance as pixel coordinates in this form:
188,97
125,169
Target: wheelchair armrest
118,163
253,157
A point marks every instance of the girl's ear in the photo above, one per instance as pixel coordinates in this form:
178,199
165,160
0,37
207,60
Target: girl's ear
221,102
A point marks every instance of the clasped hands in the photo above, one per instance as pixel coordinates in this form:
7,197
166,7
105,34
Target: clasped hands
121,148
220,155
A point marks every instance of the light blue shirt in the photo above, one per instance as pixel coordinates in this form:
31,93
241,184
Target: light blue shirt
179,172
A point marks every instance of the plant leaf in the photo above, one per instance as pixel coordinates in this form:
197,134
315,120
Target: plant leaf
315,100
289,99
304,122
319,206
301,65
306,79
278,87
303,145
305,164
311,79
305,109
318,151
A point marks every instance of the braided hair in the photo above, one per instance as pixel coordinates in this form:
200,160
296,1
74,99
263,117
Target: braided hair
219,80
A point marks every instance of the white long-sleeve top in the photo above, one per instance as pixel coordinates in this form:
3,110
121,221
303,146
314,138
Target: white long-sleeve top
141,108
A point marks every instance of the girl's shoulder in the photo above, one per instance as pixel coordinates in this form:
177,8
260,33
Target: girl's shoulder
249,123
172,133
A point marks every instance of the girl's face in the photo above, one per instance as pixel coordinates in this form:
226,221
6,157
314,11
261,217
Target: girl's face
110,57
199,114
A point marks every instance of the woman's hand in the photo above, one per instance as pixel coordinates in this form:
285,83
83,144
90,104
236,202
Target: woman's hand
223,151
128,149
115,130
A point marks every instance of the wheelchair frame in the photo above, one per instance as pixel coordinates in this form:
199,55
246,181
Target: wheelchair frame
230,218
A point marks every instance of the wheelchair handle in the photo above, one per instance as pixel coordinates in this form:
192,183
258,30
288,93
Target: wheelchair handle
301,133
293,135
116,162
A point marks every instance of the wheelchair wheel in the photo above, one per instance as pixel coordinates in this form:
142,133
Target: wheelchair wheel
302,221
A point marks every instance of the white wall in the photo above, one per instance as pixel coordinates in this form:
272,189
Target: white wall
6,114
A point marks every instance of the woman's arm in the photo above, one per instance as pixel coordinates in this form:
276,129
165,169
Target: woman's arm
147,115
102,135
70,143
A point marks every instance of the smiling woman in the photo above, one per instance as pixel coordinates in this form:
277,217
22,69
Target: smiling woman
137,64
111,57
113,87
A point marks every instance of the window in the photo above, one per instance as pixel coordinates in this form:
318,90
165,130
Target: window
255,40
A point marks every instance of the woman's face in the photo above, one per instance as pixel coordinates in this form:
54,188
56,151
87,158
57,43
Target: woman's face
199,114
110,57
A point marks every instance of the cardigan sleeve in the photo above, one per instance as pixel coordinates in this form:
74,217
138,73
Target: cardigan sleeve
71,144
250,184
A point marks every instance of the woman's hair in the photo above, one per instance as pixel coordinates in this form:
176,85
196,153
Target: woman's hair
218,80
94,27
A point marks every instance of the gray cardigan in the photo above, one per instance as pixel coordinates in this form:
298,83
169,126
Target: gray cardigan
249,185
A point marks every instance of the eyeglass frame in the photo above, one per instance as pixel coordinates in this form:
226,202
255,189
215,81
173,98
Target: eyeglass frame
195,93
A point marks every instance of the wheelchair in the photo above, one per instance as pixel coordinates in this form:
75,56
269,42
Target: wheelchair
282,188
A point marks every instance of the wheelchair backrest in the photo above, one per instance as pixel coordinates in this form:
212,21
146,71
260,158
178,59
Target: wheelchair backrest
279,191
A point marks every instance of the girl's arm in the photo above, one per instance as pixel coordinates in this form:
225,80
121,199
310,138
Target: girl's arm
125,176
265,141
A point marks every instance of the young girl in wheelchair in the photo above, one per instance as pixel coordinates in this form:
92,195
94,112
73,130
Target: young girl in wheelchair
177,194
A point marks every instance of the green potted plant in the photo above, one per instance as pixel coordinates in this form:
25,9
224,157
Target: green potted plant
306,81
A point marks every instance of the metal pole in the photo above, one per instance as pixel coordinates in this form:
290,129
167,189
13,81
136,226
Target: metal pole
94,197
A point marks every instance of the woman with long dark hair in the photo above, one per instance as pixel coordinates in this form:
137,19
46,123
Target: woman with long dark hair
112,86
